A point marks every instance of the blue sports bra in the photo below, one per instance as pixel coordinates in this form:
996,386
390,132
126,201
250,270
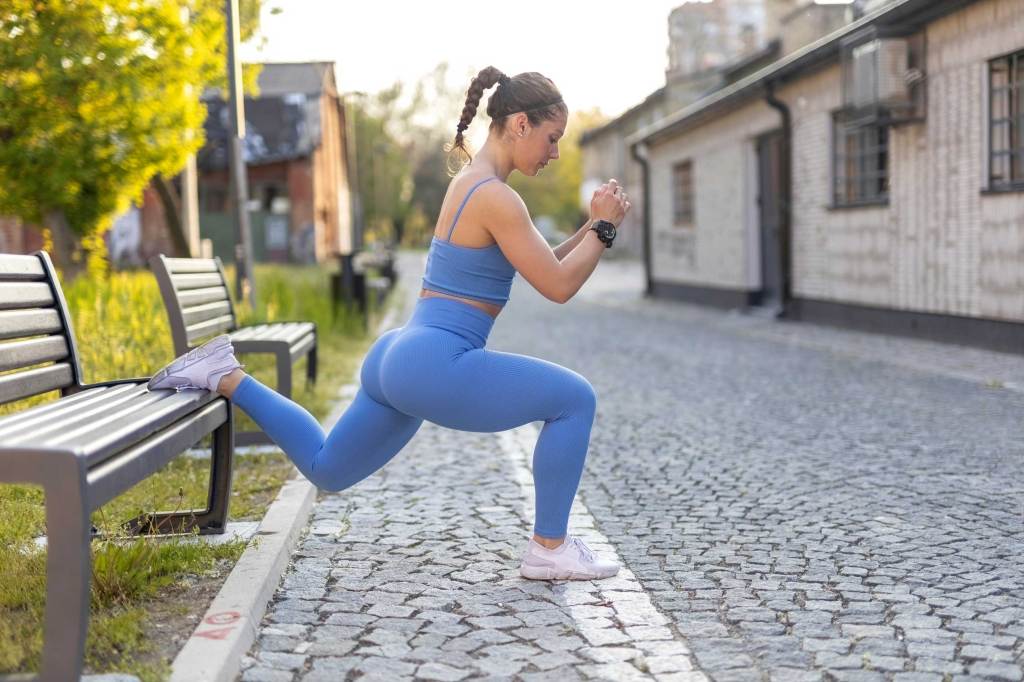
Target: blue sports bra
479,273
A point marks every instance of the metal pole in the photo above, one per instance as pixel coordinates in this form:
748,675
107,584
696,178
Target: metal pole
351,126
245,287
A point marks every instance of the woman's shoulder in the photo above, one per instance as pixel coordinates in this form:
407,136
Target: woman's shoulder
485,187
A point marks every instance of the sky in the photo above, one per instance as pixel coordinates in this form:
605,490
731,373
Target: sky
599,53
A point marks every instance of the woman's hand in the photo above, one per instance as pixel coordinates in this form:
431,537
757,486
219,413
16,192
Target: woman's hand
609,203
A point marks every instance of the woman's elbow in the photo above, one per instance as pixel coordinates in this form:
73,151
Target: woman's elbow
562,295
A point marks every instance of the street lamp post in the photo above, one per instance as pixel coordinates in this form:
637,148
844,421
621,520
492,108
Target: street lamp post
245,286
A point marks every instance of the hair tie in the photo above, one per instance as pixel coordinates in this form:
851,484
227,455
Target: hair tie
503,79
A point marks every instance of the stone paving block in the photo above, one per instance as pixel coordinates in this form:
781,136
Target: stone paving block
564,674
997,670
917,677
259,674
937,665
613,671
440,671
281,661
681,677
667,664
794,675
329,669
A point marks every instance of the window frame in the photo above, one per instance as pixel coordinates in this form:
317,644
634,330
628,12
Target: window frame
863,177
684,210
1014,63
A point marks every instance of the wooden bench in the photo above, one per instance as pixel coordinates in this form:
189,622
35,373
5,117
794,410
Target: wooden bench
195,294
89,445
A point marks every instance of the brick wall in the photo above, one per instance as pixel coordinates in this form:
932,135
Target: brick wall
722,249
941,245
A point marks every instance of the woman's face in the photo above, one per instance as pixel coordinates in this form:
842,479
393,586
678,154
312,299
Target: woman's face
539,145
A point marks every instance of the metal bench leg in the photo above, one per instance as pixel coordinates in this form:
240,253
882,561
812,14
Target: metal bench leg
68,570
311,365
213,519
284,373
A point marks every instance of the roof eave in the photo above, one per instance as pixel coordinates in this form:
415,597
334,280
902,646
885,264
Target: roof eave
807,58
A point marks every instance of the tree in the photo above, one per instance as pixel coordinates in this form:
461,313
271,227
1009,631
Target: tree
96,98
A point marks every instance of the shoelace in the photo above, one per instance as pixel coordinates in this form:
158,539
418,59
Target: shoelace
585,552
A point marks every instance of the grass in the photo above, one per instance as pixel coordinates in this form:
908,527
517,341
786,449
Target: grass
122,331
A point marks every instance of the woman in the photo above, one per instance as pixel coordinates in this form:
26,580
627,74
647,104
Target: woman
436,367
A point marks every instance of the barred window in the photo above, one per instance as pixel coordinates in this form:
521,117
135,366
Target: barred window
682,194
1006,133
860,163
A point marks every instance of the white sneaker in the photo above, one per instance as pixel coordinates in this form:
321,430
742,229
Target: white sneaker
201,368
572,560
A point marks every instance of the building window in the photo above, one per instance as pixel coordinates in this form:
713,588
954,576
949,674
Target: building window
682,194
860,162
1006,132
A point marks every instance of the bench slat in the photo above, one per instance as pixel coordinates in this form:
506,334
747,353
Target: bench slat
264,333
85,416
201,313
208,328
114,432
176,265
245,333
18,323
57,410
289,332
32,352
295,331
34,381
24,268
199,296
185,282
25,295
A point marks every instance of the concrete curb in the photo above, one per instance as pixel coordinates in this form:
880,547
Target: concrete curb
213,653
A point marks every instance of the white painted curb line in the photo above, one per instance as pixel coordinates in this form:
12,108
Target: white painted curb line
214,651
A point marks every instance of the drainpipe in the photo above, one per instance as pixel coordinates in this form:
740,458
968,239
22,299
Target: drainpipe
641,158
785,200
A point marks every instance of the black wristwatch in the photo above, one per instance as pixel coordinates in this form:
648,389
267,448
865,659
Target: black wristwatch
605,232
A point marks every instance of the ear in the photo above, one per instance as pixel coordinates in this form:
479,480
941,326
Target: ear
520,125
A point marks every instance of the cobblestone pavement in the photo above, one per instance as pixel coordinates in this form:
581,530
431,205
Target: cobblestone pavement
791,503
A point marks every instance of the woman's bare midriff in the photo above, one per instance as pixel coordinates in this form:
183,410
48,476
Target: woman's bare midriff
489,308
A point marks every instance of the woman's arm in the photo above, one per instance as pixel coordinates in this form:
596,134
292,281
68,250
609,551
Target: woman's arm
563,249
557,279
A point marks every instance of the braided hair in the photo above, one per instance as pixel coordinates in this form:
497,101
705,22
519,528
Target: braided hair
529,92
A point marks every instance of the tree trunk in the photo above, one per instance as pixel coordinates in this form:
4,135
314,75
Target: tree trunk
172,214
67,248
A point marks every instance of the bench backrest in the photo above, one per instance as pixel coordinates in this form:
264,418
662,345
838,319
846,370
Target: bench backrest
34,314
195,294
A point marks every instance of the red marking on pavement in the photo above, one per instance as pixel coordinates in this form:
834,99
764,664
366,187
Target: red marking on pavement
219,633
223,618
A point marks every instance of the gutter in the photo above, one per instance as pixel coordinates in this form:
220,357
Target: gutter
785,198
641,158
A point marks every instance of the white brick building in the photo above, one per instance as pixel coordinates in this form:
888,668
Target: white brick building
905,215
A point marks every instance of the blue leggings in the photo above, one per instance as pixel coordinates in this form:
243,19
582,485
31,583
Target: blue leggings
436,368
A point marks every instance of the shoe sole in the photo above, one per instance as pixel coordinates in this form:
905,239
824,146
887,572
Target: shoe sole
548,573
213,345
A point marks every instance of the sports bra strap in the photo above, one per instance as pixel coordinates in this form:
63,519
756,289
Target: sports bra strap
459,212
